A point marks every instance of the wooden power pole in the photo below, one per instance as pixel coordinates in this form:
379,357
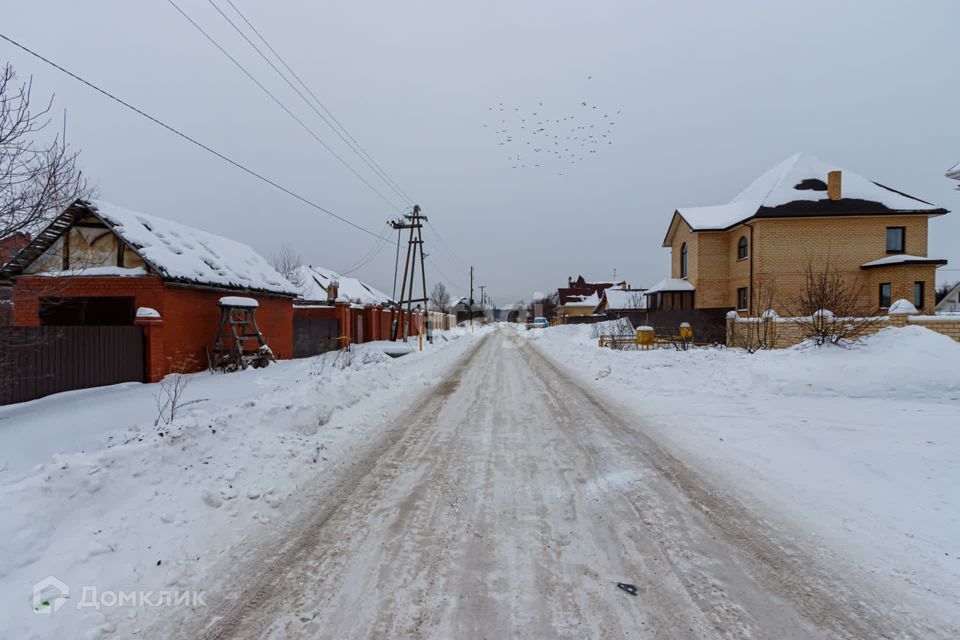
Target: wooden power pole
413,222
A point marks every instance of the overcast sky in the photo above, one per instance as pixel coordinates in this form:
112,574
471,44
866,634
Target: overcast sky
709,94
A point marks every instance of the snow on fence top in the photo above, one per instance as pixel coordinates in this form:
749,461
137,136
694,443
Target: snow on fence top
178,252
801,178
313,282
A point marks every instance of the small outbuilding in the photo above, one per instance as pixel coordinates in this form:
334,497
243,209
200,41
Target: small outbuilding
98,264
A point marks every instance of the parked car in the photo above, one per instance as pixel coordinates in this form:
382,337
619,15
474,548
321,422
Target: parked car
539,323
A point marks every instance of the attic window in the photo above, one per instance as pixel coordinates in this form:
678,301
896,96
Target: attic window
811,184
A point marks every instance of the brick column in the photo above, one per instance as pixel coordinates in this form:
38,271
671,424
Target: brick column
343,317
153,338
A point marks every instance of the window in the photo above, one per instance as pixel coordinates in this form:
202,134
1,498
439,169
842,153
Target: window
896,239
918,291
683,260
742,248
742,299
885,294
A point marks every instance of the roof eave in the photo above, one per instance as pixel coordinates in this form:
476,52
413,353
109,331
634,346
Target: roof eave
930,261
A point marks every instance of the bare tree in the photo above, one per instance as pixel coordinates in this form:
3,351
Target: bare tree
829,307
38,178
440,297
759,332
287,262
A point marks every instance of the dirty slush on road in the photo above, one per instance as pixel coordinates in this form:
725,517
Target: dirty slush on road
511,502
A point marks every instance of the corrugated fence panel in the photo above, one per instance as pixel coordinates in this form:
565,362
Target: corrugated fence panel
313,336
38,361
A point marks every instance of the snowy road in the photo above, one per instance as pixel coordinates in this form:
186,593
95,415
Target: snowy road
509,504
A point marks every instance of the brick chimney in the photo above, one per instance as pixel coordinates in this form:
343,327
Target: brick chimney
333,290
569,281
834,185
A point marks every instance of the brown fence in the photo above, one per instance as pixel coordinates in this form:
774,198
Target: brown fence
709,325
313,336
38,361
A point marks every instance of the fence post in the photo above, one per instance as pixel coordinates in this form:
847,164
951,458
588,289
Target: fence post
900,311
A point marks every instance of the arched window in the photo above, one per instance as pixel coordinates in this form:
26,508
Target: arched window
683,260
742,248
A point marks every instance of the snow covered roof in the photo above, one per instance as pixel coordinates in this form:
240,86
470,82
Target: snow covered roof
954,172
312,283
670,284
621,299
591,301
796,187
901,258
174,251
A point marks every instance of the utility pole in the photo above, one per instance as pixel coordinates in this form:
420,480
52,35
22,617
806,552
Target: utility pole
471,297
414,223
483,299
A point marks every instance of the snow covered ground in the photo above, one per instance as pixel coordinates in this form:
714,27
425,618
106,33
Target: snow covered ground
857,448
95,495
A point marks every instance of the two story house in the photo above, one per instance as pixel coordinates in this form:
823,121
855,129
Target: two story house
804,212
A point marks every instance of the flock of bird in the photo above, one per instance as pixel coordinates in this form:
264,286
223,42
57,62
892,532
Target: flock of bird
538,138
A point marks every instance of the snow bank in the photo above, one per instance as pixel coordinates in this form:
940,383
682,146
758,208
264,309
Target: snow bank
113,500
855,448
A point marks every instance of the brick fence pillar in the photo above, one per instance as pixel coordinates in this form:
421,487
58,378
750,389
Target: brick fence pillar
155,366
343,317
900,311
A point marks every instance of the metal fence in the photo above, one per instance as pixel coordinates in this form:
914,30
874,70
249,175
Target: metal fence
38,361
313,336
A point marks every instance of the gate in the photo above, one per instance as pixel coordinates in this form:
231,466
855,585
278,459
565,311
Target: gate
313,336
39,361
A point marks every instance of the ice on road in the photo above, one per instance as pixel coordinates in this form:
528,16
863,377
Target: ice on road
510,503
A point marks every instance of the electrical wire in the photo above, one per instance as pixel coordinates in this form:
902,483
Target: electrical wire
349,140
190,139
279,103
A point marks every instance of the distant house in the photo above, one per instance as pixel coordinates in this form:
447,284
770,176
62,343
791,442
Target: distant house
954,173
617,302
580,297
950,302
98,264
803,212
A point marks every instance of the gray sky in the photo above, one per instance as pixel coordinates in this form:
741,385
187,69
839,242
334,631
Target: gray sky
711,95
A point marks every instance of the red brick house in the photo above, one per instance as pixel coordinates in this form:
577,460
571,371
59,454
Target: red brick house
98,264
10,245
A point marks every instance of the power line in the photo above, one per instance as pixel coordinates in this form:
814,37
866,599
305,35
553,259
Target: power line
290,113
375,250
443,275
189,139
352,142
445,245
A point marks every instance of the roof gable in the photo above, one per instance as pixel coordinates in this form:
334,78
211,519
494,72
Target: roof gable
174,251
797,187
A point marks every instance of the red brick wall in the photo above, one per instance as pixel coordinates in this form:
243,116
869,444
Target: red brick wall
190,316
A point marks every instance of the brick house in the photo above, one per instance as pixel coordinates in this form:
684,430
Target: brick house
98,264
580,297
804,212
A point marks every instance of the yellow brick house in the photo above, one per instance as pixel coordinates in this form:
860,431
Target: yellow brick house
805,212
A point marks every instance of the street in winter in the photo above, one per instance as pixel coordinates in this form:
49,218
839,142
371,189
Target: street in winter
515,320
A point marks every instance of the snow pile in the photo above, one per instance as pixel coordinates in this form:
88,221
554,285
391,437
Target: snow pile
856,447
179,252
313,282
126,501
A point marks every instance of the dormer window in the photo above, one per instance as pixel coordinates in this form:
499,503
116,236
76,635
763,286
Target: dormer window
896,239
683,260
742,248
